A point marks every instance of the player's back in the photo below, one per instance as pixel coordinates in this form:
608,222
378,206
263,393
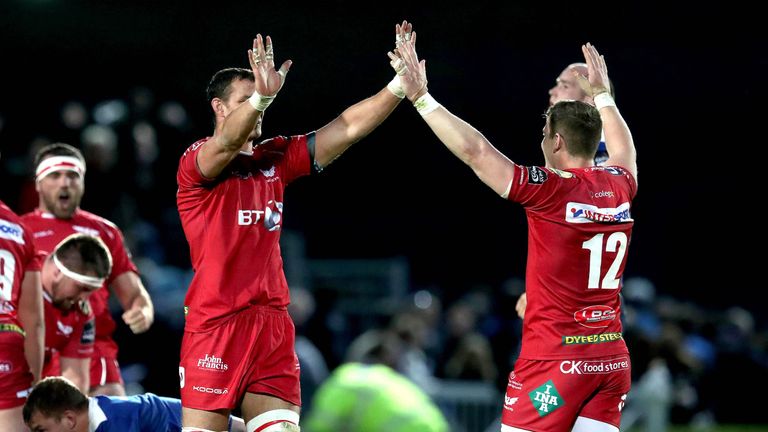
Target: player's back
140,413
579,228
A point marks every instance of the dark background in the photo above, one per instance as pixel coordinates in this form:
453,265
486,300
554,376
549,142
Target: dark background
690,81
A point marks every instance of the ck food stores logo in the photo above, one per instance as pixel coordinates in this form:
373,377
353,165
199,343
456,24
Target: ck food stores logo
546,399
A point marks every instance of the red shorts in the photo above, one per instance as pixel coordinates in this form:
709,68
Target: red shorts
252,352
15,377
549,395
105,370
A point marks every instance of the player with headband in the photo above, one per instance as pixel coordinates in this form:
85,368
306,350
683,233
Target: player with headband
60,182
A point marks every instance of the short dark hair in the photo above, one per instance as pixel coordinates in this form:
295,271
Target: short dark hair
219,86
52,396
82,253
58,149
579,123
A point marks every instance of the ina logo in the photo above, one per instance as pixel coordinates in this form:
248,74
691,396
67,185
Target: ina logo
546,398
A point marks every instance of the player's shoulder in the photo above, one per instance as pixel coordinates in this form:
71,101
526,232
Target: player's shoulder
195,145
278,145
12,226
610,173
84,217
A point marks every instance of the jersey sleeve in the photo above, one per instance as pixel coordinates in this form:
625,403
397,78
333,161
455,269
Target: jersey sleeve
533,186
188,174
33,260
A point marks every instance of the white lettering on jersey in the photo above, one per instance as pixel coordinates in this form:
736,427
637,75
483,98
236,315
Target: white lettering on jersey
586,213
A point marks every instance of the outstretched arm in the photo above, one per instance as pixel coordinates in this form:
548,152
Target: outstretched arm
359,120
618,138
234,128
461,138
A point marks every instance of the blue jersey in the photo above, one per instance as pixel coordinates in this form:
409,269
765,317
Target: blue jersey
140,413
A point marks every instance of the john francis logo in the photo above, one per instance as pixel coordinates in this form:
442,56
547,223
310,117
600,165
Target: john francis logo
212,363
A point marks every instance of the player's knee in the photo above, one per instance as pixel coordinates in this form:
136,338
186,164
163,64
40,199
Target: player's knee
280,420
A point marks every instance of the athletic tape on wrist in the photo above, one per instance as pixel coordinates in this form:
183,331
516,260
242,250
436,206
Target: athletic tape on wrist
395,87
426,104
604,100
259,102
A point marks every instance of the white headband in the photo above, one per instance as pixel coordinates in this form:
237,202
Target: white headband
91,281
59,163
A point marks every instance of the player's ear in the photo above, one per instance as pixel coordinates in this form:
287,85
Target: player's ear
218,106
69,420
559,143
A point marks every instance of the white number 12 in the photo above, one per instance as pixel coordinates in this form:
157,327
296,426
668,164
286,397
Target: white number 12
617,242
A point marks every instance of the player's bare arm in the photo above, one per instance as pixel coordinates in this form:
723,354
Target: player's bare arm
357,121
463,140
618,138
31,316
139,312
236,119
77,370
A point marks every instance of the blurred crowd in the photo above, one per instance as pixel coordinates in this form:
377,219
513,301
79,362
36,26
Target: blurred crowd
691,364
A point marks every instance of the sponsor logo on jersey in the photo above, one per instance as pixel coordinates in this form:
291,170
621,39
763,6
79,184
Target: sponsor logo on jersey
586,213
41,234
561,173
85,230
602,194
212,363
89,333
596,316
513,382
63,329
509,401
211,390
268,172
536,175
271,217
546,399
579,367
11,231
5,366
591,339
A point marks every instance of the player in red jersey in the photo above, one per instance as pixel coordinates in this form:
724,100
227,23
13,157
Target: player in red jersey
573,372
21,319
567,88
60,182
238,344
77,267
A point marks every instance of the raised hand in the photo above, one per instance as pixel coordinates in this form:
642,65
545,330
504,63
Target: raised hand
267,80
405,62
596,80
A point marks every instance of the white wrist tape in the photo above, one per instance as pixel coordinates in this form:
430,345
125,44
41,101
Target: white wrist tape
259,102
604,100
395,87
426,104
